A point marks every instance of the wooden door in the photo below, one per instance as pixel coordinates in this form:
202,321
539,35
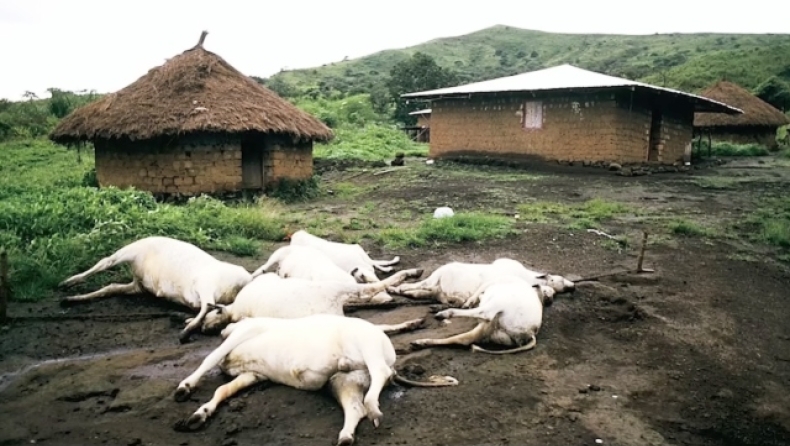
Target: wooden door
251,166
655,136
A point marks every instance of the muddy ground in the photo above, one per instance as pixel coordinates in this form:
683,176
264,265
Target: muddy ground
697,353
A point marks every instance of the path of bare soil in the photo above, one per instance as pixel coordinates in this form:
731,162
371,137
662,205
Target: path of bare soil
696,354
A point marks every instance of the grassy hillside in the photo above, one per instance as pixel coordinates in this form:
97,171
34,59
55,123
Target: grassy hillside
687,61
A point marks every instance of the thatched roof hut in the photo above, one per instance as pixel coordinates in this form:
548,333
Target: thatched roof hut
757,124
756,112
194,125
195,91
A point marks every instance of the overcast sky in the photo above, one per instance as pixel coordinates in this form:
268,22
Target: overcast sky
105,45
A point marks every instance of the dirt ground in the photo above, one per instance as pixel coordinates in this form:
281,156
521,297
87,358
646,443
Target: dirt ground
697,353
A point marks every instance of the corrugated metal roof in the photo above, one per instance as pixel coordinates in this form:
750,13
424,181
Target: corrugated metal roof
561,77
424,111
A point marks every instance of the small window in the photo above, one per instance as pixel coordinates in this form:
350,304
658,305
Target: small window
532,118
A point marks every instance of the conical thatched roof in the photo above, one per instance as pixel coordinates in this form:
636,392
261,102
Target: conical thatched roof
195,91
756,112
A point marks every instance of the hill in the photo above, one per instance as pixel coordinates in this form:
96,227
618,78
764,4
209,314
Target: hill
686,61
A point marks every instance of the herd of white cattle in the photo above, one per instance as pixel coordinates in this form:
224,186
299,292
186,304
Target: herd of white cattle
285,323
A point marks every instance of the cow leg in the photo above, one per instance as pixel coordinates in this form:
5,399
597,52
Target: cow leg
403,326
222,393
235,336
110,290
380,375
101,265
194,323
470,337
348,390
415,291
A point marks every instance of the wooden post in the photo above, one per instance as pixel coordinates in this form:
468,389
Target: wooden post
5,288
641,257
202,38
709,144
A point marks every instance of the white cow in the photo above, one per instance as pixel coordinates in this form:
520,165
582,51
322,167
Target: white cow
270,295
308,262
171,269
346,256
453,283
510,313
305,353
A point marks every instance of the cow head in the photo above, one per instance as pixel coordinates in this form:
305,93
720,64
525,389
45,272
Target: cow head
217,317
559,283
546,294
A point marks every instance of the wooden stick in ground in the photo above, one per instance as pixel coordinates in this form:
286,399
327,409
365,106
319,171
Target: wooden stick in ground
641,257
5,287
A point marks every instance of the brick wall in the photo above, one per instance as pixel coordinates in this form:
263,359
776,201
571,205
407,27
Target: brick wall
287,159
189,165
591,127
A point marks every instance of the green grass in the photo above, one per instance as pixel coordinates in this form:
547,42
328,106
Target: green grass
53,227
723,148
462,227
688,228
586,215
686,61
373,142
770,223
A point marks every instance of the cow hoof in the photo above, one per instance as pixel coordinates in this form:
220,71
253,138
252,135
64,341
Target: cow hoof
419,343
191,424
182,394
418,273
445,314
183,338
66,302
345,441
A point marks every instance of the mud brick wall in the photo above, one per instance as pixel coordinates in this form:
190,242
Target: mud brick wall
287,160
581,127
677,130
188,165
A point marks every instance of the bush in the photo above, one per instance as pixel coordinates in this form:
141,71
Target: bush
374,142
723,148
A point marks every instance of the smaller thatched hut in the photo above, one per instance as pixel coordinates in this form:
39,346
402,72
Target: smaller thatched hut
195,125
757,124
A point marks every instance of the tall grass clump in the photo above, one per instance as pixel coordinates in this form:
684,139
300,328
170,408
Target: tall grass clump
460,228
52,226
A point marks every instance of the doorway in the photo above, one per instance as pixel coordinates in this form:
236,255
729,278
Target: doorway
252,173
654,144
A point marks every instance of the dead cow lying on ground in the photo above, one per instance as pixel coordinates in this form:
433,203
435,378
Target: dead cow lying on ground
454,283
171,269
305,353
270,295
347,256
310,263
510,313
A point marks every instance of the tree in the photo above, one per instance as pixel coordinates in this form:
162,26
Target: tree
418,73
775,92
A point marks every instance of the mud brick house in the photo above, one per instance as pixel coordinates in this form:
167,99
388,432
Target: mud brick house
757,124
565,113
422,130
195,125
